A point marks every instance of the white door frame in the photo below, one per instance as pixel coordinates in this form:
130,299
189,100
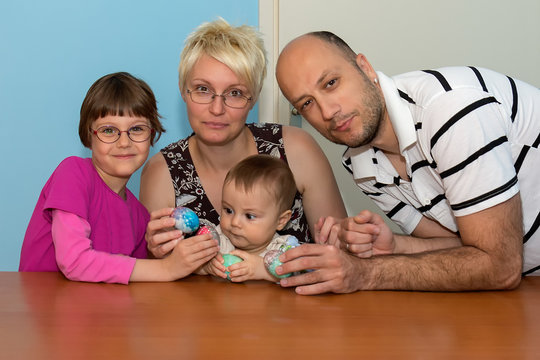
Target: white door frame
273,107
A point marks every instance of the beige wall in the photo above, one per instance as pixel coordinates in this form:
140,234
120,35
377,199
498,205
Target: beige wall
399,36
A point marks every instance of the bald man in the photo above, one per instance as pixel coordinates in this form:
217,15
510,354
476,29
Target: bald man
451,155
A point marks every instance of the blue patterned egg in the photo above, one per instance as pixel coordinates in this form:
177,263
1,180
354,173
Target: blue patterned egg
185,219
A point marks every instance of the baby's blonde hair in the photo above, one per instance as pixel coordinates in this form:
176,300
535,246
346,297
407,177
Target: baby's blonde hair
241,48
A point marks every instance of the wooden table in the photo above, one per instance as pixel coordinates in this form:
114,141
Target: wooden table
44,316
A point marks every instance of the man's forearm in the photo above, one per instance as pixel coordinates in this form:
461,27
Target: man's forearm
412,245
456,269
491,256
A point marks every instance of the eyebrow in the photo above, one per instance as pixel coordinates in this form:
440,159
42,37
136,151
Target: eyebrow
318,82
137,120
207,82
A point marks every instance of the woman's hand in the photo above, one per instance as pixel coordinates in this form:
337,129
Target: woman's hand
161,236
326,231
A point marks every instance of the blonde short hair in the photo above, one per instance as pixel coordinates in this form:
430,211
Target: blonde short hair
241,48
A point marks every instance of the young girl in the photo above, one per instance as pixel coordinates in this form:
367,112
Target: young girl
257,197
86,223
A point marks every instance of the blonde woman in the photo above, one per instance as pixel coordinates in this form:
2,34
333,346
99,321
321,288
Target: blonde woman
221,72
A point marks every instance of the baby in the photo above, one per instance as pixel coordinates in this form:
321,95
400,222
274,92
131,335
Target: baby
256,202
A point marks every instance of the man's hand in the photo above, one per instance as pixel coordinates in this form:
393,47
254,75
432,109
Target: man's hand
366,234
330,269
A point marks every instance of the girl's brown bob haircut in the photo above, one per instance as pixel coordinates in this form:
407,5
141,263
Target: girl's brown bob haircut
119,94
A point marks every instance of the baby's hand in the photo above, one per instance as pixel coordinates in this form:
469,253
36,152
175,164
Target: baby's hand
252,268
213,267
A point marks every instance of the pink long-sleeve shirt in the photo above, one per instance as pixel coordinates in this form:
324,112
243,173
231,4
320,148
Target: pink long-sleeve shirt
83,228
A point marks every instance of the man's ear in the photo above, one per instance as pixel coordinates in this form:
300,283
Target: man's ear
365,66
283,219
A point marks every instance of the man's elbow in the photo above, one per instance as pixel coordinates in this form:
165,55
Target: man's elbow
509,274
512,281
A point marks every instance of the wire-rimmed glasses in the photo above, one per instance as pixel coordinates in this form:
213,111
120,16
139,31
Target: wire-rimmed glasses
232,98
110,134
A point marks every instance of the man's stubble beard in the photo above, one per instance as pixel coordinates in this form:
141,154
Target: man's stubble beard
371,120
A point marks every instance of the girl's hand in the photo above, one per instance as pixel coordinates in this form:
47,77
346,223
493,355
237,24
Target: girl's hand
190,254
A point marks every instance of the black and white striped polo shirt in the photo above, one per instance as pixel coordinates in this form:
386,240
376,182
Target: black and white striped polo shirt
470,139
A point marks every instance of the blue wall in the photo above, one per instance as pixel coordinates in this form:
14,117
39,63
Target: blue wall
51,52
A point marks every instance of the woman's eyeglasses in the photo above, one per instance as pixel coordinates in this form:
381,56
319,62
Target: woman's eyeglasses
233,98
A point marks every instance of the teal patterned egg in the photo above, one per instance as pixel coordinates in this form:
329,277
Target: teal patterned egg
230,259
271,262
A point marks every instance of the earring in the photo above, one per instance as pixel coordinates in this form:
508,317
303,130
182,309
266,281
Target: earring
376,81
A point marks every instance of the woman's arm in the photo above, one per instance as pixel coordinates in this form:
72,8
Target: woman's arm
186,257
314,177
157,195
157,190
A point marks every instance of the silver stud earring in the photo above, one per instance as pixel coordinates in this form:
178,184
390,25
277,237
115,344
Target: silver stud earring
376,81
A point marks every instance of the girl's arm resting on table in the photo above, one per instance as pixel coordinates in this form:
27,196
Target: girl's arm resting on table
77,259
187,256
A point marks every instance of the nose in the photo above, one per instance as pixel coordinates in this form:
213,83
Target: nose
217,106
124,139
235,221
329,108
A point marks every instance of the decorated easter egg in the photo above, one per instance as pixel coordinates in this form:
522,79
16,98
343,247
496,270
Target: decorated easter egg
185,219
228,260
271,262
206,227
290,242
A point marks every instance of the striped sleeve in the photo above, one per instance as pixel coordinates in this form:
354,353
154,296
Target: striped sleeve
403,214
465,132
